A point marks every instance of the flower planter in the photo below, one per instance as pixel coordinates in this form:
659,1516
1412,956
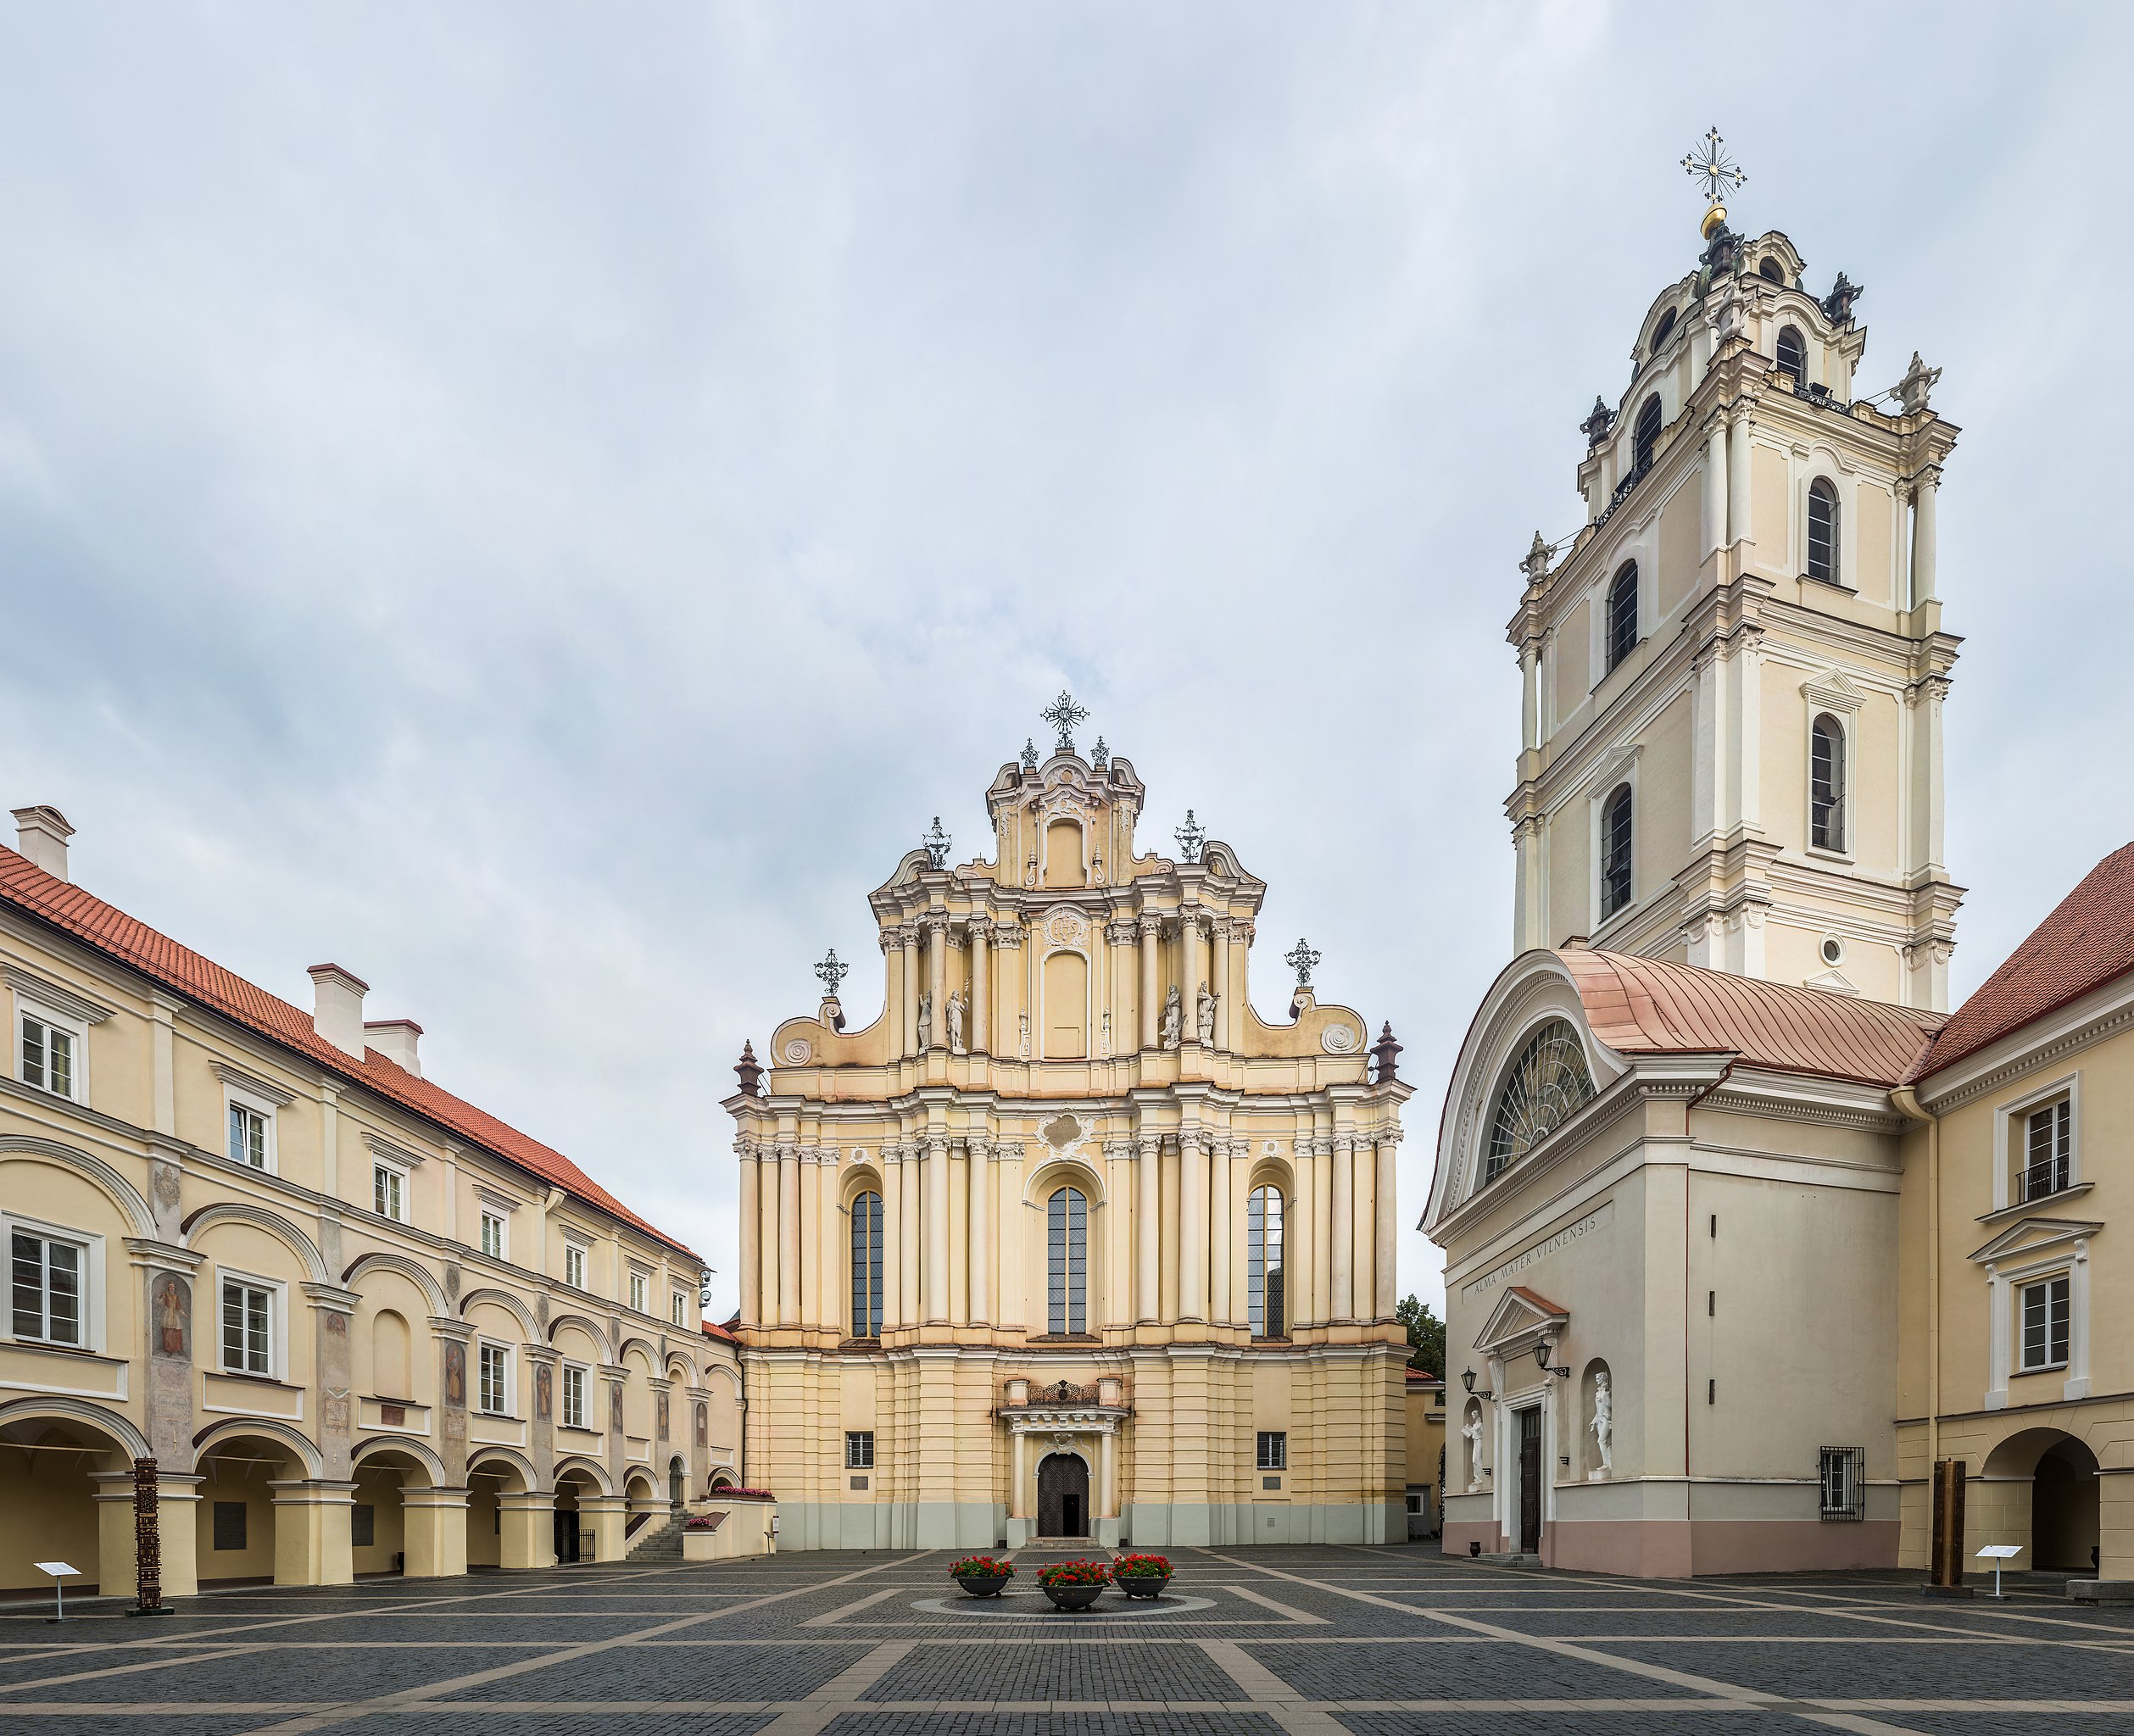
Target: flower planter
981,1584
1073,1597
1143,1584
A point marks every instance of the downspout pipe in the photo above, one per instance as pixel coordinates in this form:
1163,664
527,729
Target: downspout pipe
1907,1102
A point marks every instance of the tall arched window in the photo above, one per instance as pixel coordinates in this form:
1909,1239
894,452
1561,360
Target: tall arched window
1263,1264
1544,1087
867,1267
1615,853
1822,530
1621,614
1770,270
1066,1261
1645,439
1826,784
1665,329
1792,353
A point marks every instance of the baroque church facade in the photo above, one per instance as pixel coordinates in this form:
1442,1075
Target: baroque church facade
1069,1242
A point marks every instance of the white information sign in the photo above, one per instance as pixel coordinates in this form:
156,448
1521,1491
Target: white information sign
60,1572
1998,1552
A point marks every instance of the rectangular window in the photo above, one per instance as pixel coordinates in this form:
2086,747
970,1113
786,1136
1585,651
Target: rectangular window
573,1397
859,1449
2045,1317
1844,1480
495,1384
47,1277
678,1308
229,1524
48,1055
389,1193
639,1293
363,1527
247,1327
248,1136
492,1234
574,1265
1274,1450
2048,1151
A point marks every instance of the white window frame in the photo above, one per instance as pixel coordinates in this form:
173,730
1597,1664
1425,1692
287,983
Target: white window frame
2011,1141
859,1449
678,1308
2066,1255
1620,769
510,1402
1847,806
1808,469
277,1291
490,1215
583,1252
251,1104
381,1165
1280,1437
584,1373
27,1008
640,1290
93,1279
2043,1281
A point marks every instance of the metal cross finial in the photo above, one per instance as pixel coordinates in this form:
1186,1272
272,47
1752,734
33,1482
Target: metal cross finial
1100,756
937,843
1709,163
1030,755
1300,958
833,971
1191,837
1063,714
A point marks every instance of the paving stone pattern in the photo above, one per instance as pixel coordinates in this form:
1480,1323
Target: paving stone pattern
1311,1642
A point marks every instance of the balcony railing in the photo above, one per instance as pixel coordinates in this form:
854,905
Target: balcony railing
2036,1180
1622,489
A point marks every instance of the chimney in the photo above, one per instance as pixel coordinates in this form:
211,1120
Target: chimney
395,1039
337,1010
41,835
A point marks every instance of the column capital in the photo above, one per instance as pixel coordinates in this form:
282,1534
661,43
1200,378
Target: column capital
330,1298
1151,925
1008,935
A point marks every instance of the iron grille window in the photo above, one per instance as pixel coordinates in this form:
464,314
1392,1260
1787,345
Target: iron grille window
859,1449
1274,1450
867,1267
1826,784
1622,615
1792,353
1066,1261
1615,853
47,1277
247,1136
247,1317
1844,1479
1645,437
2045,1324
1544,1086
1822,532
2050,1150
1263,1262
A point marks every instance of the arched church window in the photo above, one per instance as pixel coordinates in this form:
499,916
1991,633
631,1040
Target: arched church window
866,1266
1615,853
1066,1261
1826,784
1645,439
1264,1277
1546,1085
1792,353
1770,270
1665,329
1621,614
1822,530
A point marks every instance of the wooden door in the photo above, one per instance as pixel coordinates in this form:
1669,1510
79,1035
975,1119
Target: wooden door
1063,1496
1529,1481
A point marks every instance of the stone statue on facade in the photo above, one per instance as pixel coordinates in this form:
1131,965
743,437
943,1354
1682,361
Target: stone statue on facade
1472,1433
957,1008
926,1021
1203,1014
1174,1018
1603,1426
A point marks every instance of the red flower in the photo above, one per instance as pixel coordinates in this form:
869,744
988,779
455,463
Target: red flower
982,1568
1141,1568
1076,1573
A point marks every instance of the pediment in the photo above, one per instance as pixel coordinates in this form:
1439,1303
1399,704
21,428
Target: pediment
1833,690
1521,1316
2034,1235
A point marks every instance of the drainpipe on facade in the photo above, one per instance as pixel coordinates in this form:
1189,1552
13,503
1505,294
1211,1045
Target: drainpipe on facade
1908,1105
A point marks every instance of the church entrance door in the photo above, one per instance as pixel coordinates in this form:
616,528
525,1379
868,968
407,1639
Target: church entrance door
1063,1496
1530,1481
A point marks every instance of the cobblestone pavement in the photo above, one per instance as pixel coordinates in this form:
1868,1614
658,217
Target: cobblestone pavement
1384,1641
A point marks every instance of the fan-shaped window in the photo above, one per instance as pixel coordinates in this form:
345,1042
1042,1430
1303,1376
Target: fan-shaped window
1545,1087
1822,530
1792,353
1769,269
867,1267
1066,1261
1621,614
1826,784
1645,438
1615,853
1665,329
1263,1263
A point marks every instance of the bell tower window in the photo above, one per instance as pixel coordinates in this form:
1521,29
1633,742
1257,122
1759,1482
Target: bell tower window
1621,614
1822,530
1645,440
1826,784
1792,353
1615,853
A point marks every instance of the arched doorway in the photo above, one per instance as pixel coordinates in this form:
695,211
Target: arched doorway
378,1522
488,1481
677,1483
1063,1496
2063,1508
236,1538
48,1471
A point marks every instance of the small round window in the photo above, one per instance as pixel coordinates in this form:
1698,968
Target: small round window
1833,950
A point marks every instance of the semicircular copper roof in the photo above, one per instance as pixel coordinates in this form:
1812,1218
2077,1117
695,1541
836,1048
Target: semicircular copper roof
1651,1007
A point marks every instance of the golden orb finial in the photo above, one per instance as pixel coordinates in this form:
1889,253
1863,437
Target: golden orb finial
1710,165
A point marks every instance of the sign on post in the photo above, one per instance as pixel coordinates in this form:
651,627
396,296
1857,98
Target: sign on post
60,1572
1998,1552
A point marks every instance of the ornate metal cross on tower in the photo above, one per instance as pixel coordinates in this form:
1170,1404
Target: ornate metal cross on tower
1300,958
1063,714
832,971
1709,163
937,843
1191,837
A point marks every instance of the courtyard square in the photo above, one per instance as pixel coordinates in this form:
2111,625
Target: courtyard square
1320,1639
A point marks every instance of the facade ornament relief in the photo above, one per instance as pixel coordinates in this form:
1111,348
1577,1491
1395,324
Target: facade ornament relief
1340,1039
1603,1426
799,1052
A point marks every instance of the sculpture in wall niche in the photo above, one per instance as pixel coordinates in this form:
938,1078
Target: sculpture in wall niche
174,1316
1174,1018
1603,1426
1022,1048
1204,1013
1104,1047
926,1020
957,1008
1472,1433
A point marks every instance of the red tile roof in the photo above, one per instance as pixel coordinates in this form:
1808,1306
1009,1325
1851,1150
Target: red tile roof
1648,1006
711,1331
108,930
2087,942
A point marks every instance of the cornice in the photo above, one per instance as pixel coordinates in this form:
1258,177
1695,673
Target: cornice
2105,1012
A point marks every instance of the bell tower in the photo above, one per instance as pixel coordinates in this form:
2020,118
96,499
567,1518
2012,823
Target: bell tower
1734,668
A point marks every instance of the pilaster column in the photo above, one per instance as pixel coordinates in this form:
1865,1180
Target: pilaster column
936,1256
1151,997
1019,1479
937,976
833,1237
766,1304
1925,486
333,1314
893,1314
892,990
1147,1252
810,1237
1192,1226
908,1187
1007,942
1222,986
1739,464
1342,1222
1191,970
1108,1447
978,1160
1388,1224
1296,1242
1363,1259
1531,702
789,1235
908,941
1715,485
1218,1231
981,989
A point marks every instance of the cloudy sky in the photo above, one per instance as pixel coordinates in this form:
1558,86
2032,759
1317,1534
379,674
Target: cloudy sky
541,504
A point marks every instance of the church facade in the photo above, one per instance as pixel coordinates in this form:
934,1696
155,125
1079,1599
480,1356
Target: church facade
1069,1242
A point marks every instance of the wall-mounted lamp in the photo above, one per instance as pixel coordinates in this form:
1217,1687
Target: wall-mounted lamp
1466,1380
1541,1360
